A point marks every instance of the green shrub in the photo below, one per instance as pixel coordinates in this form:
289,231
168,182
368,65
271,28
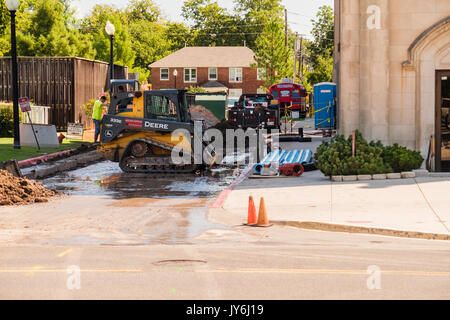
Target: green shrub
7,120
192,89
88,107
401,158
335,157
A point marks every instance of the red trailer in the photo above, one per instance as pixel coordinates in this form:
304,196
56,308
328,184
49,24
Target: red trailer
290,97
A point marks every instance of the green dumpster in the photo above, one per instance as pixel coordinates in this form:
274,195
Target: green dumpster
214,102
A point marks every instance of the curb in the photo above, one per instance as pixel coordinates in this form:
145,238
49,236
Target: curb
390,176
56,156
66,165
218,203
354,229
368,177
34,161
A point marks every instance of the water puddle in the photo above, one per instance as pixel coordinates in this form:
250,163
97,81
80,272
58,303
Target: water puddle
145,208
106,178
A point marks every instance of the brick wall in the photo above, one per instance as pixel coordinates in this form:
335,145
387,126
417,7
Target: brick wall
249,83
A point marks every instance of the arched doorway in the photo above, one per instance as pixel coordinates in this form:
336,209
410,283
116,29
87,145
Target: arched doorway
429,63
443,120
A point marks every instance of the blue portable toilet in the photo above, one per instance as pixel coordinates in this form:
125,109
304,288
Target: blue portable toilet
325,105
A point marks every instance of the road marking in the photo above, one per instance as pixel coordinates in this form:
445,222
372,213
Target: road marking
329,271
39,269
31,272
62,254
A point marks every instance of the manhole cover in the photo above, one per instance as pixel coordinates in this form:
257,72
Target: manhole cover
179,262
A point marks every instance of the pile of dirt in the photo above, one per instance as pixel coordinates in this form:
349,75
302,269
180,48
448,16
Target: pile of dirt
201,113
17,191
224,125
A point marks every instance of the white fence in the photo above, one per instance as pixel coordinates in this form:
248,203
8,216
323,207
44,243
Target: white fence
38,114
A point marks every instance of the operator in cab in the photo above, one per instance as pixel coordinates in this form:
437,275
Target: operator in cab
123,103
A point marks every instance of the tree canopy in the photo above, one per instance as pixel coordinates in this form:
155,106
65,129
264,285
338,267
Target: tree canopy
271,54
143,36
319,53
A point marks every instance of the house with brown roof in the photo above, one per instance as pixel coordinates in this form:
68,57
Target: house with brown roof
217,69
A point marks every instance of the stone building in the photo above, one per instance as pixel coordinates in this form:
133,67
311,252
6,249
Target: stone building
392,67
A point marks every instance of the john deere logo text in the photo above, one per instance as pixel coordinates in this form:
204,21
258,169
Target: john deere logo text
148,124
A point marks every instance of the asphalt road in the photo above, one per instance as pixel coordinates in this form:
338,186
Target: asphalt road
274,263
137,237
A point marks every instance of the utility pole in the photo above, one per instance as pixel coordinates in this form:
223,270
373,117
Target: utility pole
295,55
300,67
285,30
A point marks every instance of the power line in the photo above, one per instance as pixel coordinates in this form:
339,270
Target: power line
235,26
301,24
299,14
202,32
194,29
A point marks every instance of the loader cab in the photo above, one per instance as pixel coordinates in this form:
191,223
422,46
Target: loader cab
123,95
167,105
128,101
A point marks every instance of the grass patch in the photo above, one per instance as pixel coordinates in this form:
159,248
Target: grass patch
7,151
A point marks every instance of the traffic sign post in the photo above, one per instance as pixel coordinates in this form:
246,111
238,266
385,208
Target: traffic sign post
25,106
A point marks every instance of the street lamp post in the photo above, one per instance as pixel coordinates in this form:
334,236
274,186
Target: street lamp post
111,30
175,73
12,6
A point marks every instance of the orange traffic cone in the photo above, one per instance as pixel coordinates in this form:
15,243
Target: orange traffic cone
251,212
263,221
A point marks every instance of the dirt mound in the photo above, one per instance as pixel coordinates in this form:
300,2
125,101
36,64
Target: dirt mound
15,191
224,125
201,113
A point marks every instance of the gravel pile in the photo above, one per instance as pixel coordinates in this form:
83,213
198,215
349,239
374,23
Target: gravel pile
18,191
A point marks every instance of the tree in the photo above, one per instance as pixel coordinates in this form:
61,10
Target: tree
255,15
178,35
4,18
258,5
271,54
4,21
323,71
149,46
320,50
213,25
143,10
49,34
94,26
46,28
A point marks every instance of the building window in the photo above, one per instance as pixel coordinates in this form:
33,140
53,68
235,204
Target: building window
235,74
190,75
212,73
164,74
259,74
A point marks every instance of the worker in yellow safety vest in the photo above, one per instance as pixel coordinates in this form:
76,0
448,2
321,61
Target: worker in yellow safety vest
97,115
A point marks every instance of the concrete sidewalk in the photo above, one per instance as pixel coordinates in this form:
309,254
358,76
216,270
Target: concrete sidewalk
416,205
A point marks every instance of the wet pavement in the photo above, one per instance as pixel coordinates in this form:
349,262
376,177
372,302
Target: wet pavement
101,205
106,178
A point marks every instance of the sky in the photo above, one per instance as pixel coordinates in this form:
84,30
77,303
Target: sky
300,12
